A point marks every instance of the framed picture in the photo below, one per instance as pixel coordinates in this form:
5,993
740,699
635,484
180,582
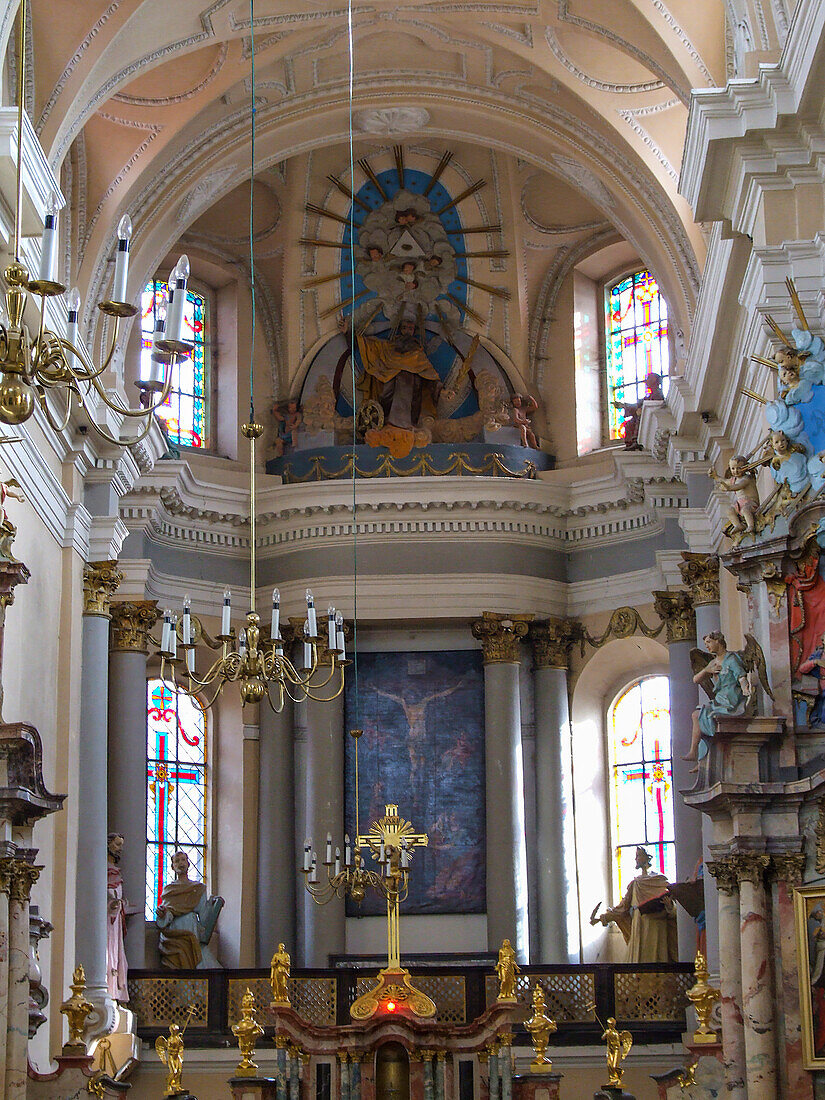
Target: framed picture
809,909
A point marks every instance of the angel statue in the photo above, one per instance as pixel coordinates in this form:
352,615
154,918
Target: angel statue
732,691
170,1052
618,1048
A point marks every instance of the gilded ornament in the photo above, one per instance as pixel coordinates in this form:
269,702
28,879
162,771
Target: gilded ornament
247,1031
820,838
724,873
703,997
76,1009
500,636
541,1027
618,1047
750,866
506,970
788,867
675,609
131,622
700,573
552,639
24,876
624,623
279,977
456,465
776,585
101,580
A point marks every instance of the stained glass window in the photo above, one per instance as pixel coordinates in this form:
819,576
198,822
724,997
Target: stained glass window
636,328
642,779
176,778
186,410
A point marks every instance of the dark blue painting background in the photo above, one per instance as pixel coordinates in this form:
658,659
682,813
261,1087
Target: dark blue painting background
428,757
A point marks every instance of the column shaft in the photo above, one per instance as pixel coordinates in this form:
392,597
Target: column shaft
277,871
708,619
553,812
506,1069
429,1084
730,981
17,1023
127,785
5,885
757,990
493,1076
324,925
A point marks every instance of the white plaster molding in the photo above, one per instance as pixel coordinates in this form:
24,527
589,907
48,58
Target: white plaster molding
39,181
387,121
106,537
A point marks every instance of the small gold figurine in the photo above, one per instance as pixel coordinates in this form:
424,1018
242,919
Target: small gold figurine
703,997
279,976
688,1076
247,1031
506,969
618,1048
170,1052
541,1027
77,1008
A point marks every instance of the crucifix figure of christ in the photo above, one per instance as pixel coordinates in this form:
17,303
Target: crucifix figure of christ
391,840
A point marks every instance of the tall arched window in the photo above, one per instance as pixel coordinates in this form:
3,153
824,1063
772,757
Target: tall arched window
641,777
636,331
176,779
186,412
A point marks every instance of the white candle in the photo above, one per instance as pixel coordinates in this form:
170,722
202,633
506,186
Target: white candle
124,235
381,853
226,612
186,627
157,365
313,624
313,878
165,637
174,316
405,855
48,244
173,638
347,851
307,851
190,661
275,628
339,629
307,647
72,327
337,861
329,848
331,627
242,643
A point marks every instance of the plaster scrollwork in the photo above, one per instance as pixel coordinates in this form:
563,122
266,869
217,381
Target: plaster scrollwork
500,636
387,121
584,179
165,101
591,81
631,117
624,623
203,194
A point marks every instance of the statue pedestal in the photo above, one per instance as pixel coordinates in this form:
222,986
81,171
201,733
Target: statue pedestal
537,1086
607,1092
252,1088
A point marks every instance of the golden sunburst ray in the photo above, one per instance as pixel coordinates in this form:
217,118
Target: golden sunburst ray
436,176
318,243
778,333
496,291
754,396
464,308
342,187
342,305
765,362
797,305
319,280
311,208
465,194
473,229
490,254
366,168
398,153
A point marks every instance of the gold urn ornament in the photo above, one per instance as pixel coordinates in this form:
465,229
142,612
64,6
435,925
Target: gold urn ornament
247,1031
76,1009
703,997
541,1027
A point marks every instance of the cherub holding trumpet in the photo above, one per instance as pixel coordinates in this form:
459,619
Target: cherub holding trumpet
741,481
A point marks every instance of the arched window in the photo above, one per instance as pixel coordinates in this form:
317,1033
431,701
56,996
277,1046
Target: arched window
636,332
176,779
641,778
186,412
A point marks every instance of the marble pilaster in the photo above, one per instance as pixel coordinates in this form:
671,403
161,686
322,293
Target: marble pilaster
129,647
675,609
277,872
730,977
429,1082
500,636
343,1075
493,1078
294,1063
355,1078
280,1068
785,872
441,1075
6,878
552,640
23,877
100,581
506,1071
757,975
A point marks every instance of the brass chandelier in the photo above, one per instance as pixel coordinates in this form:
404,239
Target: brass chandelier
33,365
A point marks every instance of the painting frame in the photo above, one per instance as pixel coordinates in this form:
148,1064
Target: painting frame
807,899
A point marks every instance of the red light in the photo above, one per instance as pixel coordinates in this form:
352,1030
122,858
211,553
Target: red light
390,1006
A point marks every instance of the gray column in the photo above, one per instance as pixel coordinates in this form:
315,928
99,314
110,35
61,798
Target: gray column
355,1077
100,580
506,847
277,871
554,815
429,1084
676,609
343,1060
324,925
506,1070
493,1077
701,574
280,1068
441,1075
131,623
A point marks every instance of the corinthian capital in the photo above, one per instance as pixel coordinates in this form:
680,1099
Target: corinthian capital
100,582
23,877
788,867
675,609
750,866
724,873
700,573
552,640
500,636
131,622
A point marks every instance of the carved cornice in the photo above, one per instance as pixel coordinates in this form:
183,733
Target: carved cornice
724,873
788,867
552,640
23,877
100,582
750,866
700,574
131,622
500,636
675,609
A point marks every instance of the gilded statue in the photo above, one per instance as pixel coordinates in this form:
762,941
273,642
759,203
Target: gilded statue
541,1027
279,976
618,1048
247,1031
170,1052
506,970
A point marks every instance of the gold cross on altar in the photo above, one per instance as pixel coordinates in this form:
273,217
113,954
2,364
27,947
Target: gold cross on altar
393,831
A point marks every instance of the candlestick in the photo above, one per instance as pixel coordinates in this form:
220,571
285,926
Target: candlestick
124,235
48,244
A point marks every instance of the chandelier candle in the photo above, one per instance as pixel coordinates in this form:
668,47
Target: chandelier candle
339,629
48,244
226,613
166,634
311,618
73,303
275,626
177,301
124,235
331,627
158,360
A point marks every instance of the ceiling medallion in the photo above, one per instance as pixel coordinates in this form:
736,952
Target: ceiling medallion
391,120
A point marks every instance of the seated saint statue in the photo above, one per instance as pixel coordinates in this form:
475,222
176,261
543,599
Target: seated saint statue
646,916
186,918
